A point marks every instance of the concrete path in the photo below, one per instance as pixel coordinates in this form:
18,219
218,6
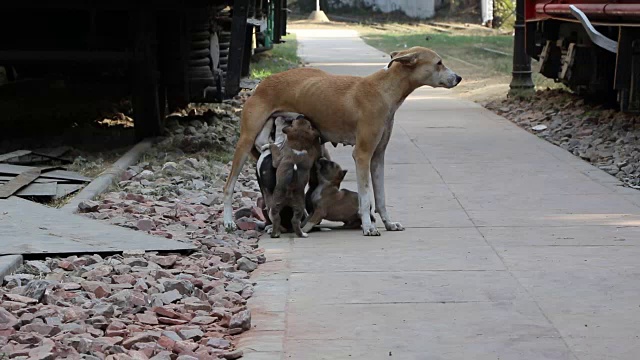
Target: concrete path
514,249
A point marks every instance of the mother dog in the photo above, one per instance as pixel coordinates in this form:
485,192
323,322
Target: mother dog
350,110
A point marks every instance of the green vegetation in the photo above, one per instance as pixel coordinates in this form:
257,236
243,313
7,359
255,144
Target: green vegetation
282,57
459,48
474,57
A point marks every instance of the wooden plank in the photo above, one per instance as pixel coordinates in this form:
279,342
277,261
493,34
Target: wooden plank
37,181
9,169
67,189
36,155
65,175
48,189
17,183
30,228
54,152
14,154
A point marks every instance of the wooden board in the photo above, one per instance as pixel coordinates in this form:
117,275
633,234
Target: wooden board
37,181
14,154
8,169
23,179
47,189
31,228
67,189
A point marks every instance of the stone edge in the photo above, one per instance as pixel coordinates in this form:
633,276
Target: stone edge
104,180
9,264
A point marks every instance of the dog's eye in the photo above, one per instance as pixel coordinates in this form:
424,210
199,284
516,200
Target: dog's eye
439,63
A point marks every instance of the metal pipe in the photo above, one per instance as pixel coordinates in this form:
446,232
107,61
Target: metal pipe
521,82
595,36
590,9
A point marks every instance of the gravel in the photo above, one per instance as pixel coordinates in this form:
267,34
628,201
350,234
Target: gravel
606,138
148,305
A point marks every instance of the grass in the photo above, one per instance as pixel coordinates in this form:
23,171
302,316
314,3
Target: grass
463,53
454,48
282,57
218,155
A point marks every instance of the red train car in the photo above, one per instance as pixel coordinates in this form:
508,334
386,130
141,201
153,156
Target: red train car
591,46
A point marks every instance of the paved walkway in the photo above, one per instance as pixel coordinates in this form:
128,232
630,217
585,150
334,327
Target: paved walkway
514,249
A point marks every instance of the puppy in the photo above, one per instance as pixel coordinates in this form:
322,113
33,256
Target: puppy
265,171
331,203
293,163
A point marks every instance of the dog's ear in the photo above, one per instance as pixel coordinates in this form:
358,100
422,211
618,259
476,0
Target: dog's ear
344,173
410,59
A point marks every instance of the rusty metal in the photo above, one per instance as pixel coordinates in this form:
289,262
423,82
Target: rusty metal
603,10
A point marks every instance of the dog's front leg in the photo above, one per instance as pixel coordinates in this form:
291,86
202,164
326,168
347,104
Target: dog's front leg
377,176
274,215
362,157
298,211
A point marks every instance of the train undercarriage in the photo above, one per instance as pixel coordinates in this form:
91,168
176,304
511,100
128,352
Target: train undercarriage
590,46
165,53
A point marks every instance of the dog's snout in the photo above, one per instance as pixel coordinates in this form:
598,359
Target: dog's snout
458,79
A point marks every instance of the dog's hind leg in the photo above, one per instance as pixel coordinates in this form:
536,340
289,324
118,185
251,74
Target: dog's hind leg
324,152
313,220
254,117
243,149
313,184
263,137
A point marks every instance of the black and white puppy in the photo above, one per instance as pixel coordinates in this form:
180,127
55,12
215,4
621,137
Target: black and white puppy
265,172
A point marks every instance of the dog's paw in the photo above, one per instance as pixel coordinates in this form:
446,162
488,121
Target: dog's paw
275,235
230,226
393,226
268,229
372,231
305,235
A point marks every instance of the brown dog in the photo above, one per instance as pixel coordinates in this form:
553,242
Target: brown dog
331,203
293,163
350,110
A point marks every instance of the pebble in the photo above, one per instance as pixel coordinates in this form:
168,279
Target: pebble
120,306
236,354
606,138
36,267
247,265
